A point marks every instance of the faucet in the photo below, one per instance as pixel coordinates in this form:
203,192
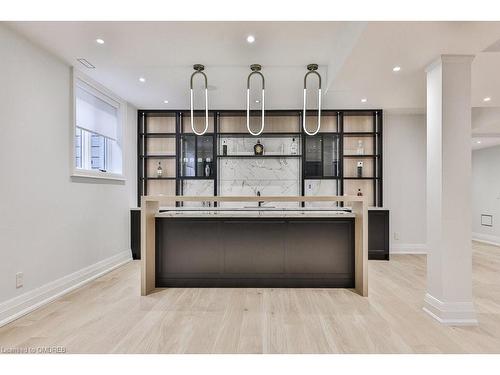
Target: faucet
260,202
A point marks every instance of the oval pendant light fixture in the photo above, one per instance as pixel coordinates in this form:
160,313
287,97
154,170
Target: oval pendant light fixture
312,70
256,68
199,70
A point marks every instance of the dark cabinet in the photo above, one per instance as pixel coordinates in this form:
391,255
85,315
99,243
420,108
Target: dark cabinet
321,156
255,252
135,233
196,156
378,234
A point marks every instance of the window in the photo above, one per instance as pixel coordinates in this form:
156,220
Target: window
98,121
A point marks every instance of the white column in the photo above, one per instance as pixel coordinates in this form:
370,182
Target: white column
449,261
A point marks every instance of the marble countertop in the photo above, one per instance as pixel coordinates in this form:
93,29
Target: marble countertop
256,208
253,212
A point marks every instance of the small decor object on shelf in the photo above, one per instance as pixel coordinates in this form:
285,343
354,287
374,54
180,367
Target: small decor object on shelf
224,147
159,170
208,170
293,147
258,149
360,194
361,149
360,169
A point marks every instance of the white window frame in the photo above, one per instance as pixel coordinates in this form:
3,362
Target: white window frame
104,94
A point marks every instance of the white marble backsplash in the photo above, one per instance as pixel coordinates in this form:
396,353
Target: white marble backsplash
259,169
269,176
197,188
320,187
265,187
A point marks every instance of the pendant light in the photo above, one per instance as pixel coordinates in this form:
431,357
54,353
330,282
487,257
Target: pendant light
256,68
312,70
199,70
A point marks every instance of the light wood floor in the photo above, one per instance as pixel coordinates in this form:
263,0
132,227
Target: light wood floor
109,316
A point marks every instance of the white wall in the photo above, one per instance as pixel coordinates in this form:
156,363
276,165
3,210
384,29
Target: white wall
486,193
50,225
405,180
130,155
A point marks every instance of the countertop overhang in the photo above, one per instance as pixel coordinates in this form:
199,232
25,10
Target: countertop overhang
263,212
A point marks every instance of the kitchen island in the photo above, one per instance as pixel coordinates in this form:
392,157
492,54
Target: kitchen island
253,247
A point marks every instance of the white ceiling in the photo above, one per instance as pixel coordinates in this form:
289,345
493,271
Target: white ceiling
355,58
479,143
485,127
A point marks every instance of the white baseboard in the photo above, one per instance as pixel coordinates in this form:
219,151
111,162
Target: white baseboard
486,238
418,248
25,303
450,313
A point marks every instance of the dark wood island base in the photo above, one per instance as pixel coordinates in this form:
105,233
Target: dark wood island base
290,252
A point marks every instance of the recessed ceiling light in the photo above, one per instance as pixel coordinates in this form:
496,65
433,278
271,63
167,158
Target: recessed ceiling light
165,101
478,142
487,99
142,79
397,68
257,101
99,41
250,39
364,100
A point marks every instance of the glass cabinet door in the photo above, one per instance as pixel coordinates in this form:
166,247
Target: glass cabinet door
188,156
204,156
313,166
330,156
196,156
322,156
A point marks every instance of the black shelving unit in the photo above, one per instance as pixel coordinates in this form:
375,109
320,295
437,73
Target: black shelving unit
340,135
155,126
158,178
263,135
369,131
152,156
259,156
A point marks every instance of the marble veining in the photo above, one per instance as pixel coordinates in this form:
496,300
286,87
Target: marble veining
197,188
320,187
265,187
259,169
274,176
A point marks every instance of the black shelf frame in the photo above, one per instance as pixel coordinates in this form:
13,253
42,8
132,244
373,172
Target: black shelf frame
158,135
376,135
360,134
360,178
263,135
158,178
259,156
159,156
361,156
